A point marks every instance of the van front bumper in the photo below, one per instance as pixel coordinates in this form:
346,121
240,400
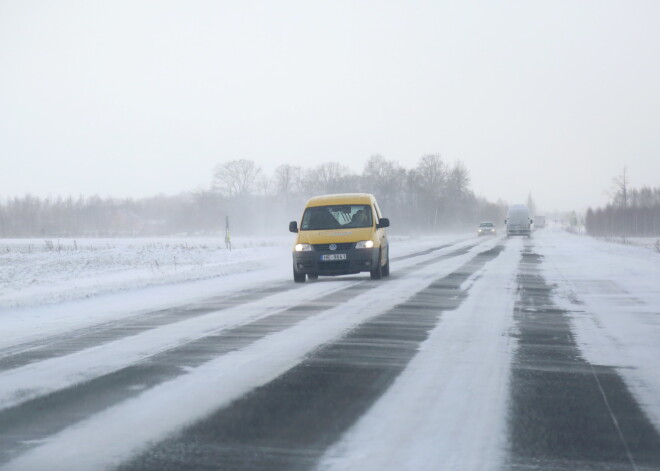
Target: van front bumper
357,260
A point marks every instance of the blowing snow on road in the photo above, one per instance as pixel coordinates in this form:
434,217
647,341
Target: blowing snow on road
475,354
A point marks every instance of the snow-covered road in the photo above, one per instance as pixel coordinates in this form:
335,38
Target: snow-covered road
476,354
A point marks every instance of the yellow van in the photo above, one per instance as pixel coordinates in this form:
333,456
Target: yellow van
340,235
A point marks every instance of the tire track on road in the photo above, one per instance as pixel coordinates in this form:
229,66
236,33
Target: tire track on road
71,342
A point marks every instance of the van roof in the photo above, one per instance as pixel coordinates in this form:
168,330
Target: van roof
341,198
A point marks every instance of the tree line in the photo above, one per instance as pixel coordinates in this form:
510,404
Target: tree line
433,196
631,212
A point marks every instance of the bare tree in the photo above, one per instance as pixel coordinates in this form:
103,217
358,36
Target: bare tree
620,189
620,194
386,179
287,179
458,180
236,177
264,185
329,177
432,172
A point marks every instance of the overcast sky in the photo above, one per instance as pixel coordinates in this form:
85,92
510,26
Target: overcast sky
135,98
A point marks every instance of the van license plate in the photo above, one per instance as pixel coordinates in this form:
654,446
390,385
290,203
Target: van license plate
334,256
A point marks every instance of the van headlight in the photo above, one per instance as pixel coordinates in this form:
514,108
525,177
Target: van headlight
303,247
364,244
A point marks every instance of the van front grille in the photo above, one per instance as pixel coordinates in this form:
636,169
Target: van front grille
342,246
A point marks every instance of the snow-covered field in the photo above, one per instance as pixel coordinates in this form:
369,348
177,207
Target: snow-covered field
54,270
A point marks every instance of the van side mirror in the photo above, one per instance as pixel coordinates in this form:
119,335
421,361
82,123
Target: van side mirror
383,222
531,221
293,226
505,221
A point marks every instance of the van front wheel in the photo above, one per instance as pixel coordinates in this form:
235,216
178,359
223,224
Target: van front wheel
377,273
386,268
298,277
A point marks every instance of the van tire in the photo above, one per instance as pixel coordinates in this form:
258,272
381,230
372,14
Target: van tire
298,277
377,273
386,268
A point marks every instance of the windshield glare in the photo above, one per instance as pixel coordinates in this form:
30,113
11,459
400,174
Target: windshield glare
337,217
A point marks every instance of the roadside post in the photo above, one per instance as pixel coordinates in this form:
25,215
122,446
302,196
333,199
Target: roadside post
227,235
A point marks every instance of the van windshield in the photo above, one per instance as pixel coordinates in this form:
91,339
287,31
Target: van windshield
520,214
336,217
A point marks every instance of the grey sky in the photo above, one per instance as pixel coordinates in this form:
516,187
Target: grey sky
133,98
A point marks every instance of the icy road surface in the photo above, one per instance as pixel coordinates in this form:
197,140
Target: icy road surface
476,354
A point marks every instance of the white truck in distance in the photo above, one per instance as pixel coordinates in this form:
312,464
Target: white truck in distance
539,222
518,221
